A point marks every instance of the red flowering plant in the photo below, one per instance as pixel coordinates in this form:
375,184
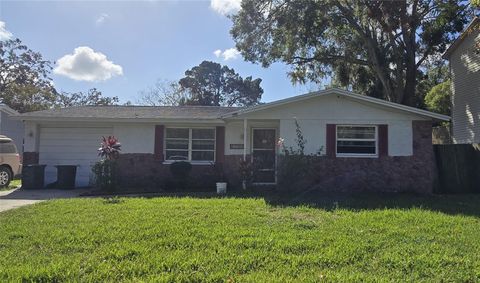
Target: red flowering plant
105,169
109,148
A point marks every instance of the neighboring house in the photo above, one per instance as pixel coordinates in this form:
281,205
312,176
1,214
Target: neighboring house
10,127
464,57
368,143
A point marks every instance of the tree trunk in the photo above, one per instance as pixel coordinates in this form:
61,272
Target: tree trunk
410,83
410,68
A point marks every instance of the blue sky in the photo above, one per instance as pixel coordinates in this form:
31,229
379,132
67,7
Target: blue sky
141,41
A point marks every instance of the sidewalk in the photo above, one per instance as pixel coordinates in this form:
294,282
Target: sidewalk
18,197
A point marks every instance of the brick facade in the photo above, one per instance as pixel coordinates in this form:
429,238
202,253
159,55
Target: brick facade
387,173
144,170
30,158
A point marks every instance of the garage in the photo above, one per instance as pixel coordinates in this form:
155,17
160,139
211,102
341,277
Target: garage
70,146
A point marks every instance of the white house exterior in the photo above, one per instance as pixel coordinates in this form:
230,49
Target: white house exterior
352,130
464,58
10,127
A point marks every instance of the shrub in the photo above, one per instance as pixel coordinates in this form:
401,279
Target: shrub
105,170
294,166
247,172
218,172
109,148
180,171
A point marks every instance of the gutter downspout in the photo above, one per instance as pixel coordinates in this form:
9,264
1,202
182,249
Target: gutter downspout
244,181
245,139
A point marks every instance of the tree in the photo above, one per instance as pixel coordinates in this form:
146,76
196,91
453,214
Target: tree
164,92
432,75
211,84
25,84
372,45
438,99
93,97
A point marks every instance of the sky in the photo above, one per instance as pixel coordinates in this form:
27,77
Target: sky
123,47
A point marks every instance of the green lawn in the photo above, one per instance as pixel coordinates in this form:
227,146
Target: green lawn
15,183
243,240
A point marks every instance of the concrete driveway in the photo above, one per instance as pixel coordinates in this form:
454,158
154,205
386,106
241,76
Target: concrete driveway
19,197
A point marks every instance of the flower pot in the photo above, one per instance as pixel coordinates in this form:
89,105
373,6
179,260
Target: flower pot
221,188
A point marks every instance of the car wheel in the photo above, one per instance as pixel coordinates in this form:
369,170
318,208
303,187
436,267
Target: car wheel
5,177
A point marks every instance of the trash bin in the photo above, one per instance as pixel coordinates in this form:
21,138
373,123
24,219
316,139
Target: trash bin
33,176
66,176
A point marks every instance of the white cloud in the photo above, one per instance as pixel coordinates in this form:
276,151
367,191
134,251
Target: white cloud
225,7
217,53
230,53
87,65
4,33
102,18
227,54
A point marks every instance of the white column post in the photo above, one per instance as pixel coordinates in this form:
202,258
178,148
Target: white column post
32,137
244,139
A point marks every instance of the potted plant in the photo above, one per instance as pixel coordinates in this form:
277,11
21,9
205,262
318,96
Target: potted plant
221,180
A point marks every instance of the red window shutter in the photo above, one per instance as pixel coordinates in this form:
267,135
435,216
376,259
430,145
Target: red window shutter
220,144
331,140
382,140
158,147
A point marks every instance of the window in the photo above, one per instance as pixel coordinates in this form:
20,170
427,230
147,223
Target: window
7,147
195,144
357,141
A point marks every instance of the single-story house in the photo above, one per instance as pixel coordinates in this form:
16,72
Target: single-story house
464,57
368,143
11,127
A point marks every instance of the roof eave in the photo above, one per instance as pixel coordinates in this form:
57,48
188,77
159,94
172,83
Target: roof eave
459,39
279,102
345,93
8,110
402,107
193,120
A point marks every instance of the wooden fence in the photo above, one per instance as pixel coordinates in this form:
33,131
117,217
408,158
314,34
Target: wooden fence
458,168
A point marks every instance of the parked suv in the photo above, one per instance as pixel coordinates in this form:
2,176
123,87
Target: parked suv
10,164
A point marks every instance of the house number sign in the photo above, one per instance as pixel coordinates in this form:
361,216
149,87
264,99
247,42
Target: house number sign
236,146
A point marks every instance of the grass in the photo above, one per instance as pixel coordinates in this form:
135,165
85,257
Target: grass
15,183
392,238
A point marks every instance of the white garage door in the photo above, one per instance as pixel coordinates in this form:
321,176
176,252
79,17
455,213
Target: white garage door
70,146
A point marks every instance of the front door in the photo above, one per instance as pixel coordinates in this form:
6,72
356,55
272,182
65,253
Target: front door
263,155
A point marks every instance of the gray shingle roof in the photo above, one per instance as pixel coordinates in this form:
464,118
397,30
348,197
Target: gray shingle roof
132,112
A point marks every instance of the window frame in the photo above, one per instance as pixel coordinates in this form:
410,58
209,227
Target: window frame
359,155
190,149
